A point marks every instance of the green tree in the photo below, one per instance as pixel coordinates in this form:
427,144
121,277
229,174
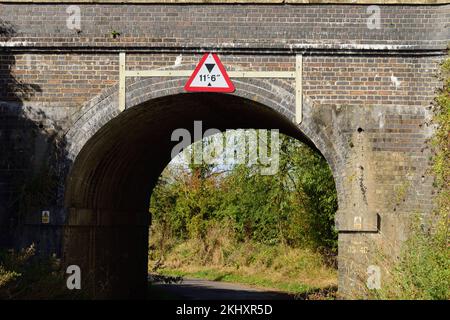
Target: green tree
294,207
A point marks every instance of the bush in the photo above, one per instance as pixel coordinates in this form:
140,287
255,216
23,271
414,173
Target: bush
294,207
423,269
221,255
23,275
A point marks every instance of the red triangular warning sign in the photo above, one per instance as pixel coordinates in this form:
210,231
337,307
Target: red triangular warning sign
209,76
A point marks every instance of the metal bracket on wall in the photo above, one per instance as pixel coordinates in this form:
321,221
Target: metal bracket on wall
297,75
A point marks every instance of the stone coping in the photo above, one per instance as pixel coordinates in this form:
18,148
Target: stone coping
404,2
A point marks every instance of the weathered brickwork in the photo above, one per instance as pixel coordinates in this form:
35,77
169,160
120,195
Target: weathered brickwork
329,80
227,26
371,80
69,79
366,107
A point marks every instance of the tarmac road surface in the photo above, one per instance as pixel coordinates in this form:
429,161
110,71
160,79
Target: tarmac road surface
197,289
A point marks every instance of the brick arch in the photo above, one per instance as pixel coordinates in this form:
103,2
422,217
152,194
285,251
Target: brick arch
105,188
276,94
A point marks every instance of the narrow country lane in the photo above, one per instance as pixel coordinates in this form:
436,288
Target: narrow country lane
197,289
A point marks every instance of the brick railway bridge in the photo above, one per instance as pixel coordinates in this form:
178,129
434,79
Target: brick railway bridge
91,91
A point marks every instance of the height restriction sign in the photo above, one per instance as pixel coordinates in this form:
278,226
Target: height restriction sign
209,76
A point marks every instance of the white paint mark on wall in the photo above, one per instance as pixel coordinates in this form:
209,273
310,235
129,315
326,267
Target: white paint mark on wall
395,81
28,61
351,45
16,43
178,60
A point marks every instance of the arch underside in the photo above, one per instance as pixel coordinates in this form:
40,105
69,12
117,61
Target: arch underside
109,186
118,166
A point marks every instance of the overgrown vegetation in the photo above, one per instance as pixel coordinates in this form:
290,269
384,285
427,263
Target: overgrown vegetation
422,270
221,257
273,230
23,275
294,207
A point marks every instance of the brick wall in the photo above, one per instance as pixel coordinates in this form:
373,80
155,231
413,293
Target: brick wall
231,26
380,81
71,79
370,80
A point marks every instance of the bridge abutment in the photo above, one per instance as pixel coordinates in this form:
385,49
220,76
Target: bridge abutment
111,250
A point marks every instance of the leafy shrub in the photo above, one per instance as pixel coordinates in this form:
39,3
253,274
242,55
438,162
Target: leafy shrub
423,269
23,275
294,207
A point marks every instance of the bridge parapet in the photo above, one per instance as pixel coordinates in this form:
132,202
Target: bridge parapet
251,28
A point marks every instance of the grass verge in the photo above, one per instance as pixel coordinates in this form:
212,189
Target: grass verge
217,257
298,290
